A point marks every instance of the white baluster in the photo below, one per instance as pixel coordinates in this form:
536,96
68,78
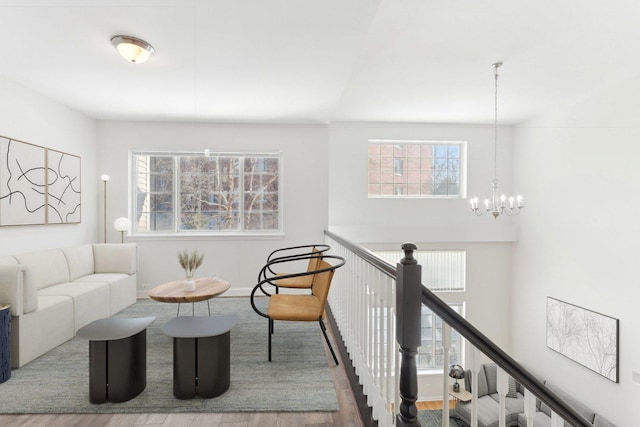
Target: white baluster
390,339
556,420
446,346
529,407
503,387
475,368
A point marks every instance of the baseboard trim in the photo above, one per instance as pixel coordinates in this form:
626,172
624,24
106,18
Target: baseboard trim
366,412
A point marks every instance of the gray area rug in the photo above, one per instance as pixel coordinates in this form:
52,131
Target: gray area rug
298,379
433,418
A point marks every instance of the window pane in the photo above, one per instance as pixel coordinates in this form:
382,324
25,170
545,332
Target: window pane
154,193
431,353
437,164
261,198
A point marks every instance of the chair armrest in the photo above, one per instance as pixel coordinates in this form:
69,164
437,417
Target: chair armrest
12,288
115,258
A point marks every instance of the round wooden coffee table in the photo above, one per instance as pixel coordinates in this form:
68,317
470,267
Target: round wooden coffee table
173,292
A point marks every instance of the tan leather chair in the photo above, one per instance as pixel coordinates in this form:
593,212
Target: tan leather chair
302,308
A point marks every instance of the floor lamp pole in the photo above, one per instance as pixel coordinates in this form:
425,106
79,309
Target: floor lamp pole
105,178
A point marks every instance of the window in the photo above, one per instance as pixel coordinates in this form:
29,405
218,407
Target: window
420,168
442,271
206,192
431,353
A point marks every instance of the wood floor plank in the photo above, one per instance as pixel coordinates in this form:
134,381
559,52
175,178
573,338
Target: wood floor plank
122,420
259,419
205,420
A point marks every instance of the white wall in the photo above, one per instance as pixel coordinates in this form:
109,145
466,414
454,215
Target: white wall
580,240
432,224
400,219
30,117
238,260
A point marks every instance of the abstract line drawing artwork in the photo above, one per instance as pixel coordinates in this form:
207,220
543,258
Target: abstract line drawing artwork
587,337
63,188
22,183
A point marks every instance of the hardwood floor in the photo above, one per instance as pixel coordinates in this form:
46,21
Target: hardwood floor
435,404
347,416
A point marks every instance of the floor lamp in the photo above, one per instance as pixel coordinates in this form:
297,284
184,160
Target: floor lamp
105,178
122,225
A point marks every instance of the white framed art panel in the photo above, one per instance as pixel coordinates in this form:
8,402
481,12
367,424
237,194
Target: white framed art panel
22,183
63,188
584,336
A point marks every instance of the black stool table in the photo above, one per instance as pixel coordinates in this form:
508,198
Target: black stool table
201,354
5,342
117,357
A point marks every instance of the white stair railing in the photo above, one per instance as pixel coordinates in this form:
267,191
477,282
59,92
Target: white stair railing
362,300
364,306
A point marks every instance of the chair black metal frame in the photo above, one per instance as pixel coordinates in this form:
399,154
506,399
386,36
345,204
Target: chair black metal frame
300,252
269,281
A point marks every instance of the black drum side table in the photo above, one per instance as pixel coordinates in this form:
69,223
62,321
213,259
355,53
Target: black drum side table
117,357
201,354
5,342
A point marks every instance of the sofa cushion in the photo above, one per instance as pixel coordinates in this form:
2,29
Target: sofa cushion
540,419
13,290
515,405
44,268
488,412
491,373
115,258
600,421
512,391
38,332
91,300
80,260
482,382
122,288
8,260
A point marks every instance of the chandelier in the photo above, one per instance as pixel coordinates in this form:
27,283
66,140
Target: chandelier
498,204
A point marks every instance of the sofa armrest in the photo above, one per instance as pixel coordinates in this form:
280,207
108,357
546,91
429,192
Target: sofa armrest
115,258
12,288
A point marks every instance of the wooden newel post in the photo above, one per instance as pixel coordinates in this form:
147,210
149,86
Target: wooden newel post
408,332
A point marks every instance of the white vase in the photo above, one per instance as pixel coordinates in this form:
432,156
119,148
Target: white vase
189,284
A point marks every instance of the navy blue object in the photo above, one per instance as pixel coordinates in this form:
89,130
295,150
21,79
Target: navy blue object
5,344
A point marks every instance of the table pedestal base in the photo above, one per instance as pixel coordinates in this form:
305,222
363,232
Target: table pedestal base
117,368
201,366
5,343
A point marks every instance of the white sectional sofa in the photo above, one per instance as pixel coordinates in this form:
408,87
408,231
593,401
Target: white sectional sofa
55,292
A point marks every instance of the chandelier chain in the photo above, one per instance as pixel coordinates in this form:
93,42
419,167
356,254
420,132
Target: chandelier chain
495,122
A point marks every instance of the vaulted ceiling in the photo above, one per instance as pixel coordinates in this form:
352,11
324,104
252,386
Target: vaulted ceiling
304,61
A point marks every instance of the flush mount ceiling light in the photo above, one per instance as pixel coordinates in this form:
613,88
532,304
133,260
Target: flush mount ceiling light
132,49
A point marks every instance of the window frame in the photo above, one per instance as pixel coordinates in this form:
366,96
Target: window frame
398,145
176,232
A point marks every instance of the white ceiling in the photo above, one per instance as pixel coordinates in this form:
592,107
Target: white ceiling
304,61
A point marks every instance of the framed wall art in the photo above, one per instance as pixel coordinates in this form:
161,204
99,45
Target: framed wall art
63,188
582,335
22,183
